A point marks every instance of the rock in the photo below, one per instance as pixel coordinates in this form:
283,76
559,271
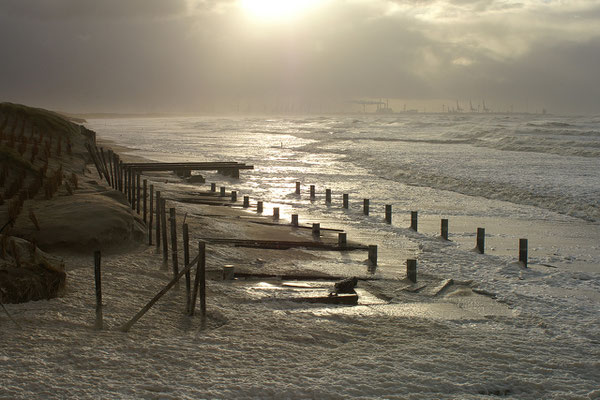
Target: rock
196,179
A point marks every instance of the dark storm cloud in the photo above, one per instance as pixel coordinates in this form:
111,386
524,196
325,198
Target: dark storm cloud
182,55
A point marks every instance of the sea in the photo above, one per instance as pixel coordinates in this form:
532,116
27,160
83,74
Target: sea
515,175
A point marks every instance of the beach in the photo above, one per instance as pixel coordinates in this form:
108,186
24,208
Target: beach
473,326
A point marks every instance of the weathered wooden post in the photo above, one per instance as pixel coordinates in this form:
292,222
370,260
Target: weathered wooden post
342,240
110,168
275,212
366,206
138,178
121,177
131,179
246,201
480,240
173,221
411,270
128,183
222,193
312,192
213,187
145,199
297,187
163,228
345,200
328,196
373,254
259,207
388,213
186,261
523,249
228,272
151,215
158,235
444,229
294,219
316,229
200,281
233,196
414,220
98,281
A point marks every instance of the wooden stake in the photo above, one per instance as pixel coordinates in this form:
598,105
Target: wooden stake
388,213
259,207
173,221
366,206
151,215
414,220
158,235
200,280
275,212
98,281
145,200
297,187
316,229
480,240
213,187
312,192
373,254
186,261
444,232
411,270
246,201
345,200
342,242
138,177
222,193
328,196
163,228
523,249
294,219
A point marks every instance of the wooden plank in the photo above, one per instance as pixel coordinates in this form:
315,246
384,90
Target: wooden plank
284,245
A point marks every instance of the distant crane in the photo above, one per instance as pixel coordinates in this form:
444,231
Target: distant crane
458,109
485,109
471,107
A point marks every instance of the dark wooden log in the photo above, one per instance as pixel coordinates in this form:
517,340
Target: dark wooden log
284,244
411,270
127,326
98,280
480,240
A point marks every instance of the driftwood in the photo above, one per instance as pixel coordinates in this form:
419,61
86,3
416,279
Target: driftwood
127,326
284,245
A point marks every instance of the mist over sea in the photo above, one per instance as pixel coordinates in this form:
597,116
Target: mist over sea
521,175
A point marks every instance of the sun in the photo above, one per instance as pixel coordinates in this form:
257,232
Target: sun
275,9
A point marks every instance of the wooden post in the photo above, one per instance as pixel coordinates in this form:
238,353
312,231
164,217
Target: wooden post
246,201
163,228
297,187
121,178
222,193
158,235
98,280
523,248
480,240
145,200
173,221
213,187
259,207
342,242
200,280
128,183
444,229
345,200
316,229
373,254
414,220
110,168
186,261
411,270
233,196
151,215
328,196
228,272
294,219
366,206
312,192
127,326
138,196
275,212
388,213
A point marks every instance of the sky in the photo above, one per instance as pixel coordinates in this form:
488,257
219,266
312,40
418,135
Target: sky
201,56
